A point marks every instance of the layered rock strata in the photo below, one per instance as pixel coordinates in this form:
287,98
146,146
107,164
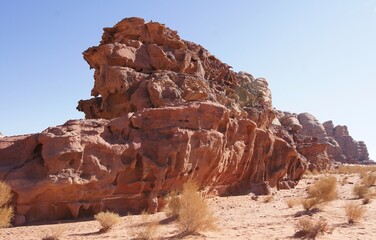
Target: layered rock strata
163,111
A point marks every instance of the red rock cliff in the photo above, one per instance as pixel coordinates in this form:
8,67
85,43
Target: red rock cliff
164,110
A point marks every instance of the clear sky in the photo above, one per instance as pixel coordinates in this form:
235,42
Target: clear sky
319,56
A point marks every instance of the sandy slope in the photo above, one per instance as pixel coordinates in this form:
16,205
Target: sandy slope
239,217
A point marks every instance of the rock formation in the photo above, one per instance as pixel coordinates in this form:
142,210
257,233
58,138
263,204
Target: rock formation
347,150
319,143
164,110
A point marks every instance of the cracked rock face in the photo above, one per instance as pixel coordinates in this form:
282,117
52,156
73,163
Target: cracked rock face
164,110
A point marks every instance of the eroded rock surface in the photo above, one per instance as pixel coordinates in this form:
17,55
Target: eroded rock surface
320,144
347,150
164,110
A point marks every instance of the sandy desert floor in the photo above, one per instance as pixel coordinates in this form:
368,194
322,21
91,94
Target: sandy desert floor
239,217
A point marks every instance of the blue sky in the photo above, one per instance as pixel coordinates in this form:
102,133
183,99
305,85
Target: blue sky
318,56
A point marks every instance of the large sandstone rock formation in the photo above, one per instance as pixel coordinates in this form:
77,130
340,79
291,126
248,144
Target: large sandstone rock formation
164,110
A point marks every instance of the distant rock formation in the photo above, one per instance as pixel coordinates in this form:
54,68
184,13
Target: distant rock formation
164,110
319,143
346,149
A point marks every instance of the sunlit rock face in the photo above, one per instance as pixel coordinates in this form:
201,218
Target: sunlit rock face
164,110
347,150
321,144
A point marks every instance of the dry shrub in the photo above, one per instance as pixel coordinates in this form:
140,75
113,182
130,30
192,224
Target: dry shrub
354,212
369,179
369,196
173,205
6,212
55,234
268,198
192,210
323,191
150,231
151,227
309,228
107,220
360,190
292,202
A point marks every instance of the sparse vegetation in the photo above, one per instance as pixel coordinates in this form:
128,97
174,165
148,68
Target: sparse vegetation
323,191
6,211
292,202
150,230
107,220
268,198
350,169
369,179
192,210
55,234
354,212
360,190
309,228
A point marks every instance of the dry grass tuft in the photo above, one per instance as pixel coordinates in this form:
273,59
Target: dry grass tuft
173,205
55,234
292,202
192,210
151,227
369,179
360,190
107,220
268,199
323,191
6,212
354,212
150,231
308,228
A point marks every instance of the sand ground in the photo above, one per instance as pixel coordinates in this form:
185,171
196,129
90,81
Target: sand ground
239,217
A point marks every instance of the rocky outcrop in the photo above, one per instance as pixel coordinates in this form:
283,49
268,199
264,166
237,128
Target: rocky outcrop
306,134
347,150
164,110
320,144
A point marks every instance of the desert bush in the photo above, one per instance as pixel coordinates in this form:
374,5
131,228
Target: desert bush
309,203
360,190
292,202
173,205
369,179
192,210
323,191
309,228
107,220
268,198
6,212
354,212
54,234
150,230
